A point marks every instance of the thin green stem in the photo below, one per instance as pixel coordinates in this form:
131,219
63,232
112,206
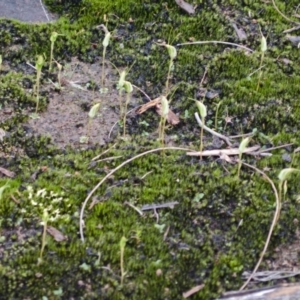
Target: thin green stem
162,130
274,221
103,61
260,72
120,103
216,115
122,265
37,90
201,138
168,76
43,240
125,113
51,56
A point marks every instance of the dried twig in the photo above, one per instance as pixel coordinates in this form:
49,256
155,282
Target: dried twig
272,148
271,275
146,95
222,152
292,29
146,174
223,137
134,207
162,205
81,221
192,291
216,42
99,155
274,221
186,6
14,199
285,17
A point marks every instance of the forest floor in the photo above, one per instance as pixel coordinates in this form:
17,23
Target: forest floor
166,224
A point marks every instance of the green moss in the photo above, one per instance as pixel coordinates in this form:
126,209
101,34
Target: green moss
204,241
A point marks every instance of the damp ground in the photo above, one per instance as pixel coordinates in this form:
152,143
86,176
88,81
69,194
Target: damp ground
65,120
212,226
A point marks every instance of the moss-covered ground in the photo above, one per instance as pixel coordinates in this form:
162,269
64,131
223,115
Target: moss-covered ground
220,224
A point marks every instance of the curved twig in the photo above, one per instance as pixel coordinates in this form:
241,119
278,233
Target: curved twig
223,137
285,17
274,221
112,172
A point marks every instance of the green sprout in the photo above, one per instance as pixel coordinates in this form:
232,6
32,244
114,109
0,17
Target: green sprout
105,44
164,114
122,250
2,188
92,113
126,86
283,176
120,87
293,157
53,39
128,89
243,145
57,84
172,54
46,206
263,49
59,66
203,114
45,219
39,65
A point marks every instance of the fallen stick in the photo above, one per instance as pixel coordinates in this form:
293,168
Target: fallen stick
218,152
223,137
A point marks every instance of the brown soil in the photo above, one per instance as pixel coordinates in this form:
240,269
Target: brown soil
66,120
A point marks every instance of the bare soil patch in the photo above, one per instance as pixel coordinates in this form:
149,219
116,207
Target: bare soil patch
66,119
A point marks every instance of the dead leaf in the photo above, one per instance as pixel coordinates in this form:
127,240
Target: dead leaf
148,105
172,118
286,61
7,173
56,234
186,6
240,32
